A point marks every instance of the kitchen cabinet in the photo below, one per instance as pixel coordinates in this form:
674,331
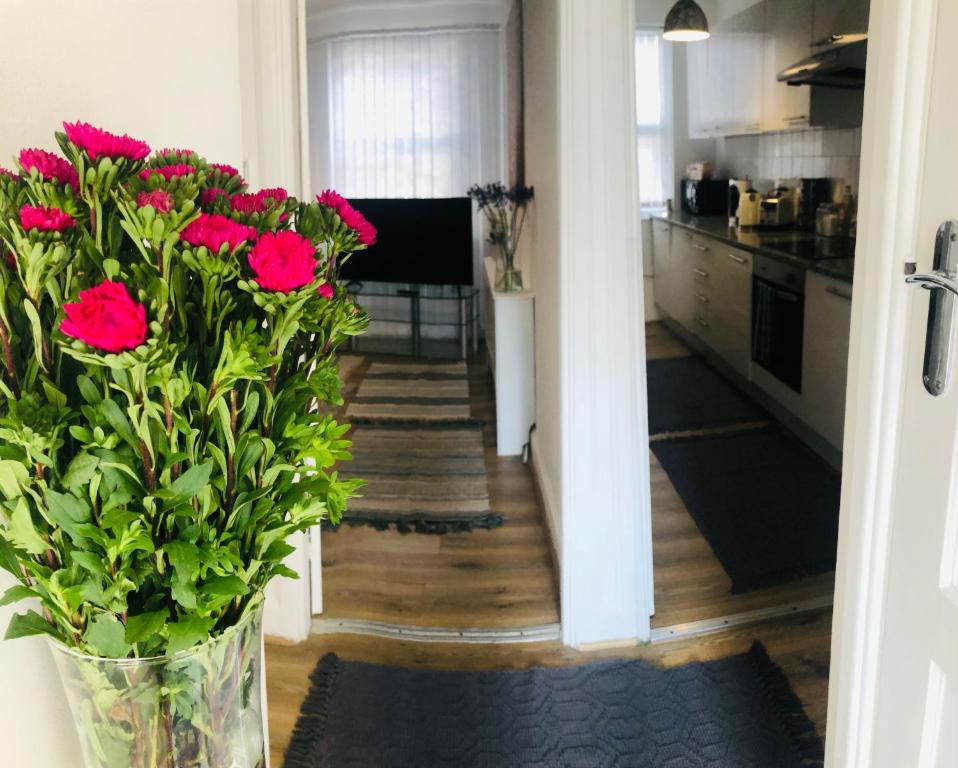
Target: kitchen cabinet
828,305
681,281
838,17
725,77
661,263
788,37
731,307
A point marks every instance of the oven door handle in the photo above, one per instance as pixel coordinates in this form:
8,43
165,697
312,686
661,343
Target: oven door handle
788,296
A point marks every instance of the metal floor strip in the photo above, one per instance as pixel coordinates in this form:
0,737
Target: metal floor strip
709,626
533,634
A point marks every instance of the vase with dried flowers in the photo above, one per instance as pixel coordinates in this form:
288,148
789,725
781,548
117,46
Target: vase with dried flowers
505,211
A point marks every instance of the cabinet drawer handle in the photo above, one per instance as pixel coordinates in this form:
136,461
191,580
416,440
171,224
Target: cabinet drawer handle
703,323
700,272
837,292
796,118
698,247
701,298
737,259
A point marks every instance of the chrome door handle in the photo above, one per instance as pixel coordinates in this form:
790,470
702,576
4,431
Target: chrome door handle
939,336
737,259
934,280
699,247
700,272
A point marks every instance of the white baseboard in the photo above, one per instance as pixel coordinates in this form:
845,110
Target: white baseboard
546,490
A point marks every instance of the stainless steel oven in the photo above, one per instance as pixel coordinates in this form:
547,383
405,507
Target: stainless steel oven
778,319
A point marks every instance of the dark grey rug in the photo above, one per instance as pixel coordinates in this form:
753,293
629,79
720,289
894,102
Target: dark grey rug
738,712
765,503
687,393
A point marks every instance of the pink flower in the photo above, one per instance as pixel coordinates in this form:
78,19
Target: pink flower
45,219
106,317
224,169
7,172
213,230
160,200
51,167
99,143
283,261
325,290
258,202
365,232
210,195
168,171
8,258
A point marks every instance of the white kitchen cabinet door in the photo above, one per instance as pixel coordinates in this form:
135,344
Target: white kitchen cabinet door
661,262
828,314
839,17
682,279
788,37
703,84
731,307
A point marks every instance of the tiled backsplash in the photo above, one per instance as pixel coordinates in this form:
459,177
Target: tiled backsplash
812,153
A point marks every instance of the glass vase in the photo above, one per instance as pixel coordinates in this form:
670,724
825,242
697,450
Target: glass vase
200,708
508,278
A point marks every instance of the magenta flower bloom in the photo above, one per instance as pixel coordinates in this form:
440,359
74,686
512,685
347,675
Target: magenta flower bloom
99,143
223,168
168,171
107,318
283,261
210,195
51,167
7,172
213,230
365,232
258,202
45,219
160,200
325,290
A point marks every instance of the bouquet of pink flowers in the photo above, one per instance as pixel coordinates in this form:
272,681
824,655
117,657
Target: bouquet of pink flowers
168,340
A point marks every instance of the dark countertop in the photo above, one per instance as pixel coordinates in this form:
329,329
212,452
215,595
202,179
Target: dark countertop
831,256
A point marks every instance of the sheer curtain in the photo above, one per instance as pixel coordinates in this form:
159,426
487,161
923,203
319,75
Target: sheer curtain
653,98
408,114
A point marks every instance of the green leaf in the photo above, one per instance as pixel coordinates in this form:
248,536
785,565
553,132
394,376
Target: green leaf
187,632
35,326
8,557
88,390
225,586
117,419
106,634
187,485
16,593
13,476
80,471
184,594
68,512
23,533
144,625
184,557
27,624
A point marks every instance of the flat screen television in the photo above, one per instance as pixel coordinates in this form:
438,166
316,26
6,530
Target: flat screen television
418,241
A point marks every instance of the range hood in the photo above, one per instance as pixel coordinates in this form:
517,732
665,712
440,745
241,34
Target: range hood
840,65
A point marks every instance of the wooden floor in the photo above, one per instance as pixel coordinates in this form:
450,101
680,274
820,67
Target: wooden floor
505,578
486,579
690,583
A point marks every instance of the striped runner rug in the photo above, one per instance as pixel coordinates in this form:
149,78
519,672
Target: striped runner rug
412,391
428,479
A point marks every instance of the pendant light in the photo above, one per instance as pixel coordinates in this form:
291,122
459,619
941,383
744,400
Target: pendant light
686,23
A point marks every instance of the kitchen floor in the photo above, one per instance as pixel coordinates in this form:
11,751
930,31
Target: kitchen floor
690,583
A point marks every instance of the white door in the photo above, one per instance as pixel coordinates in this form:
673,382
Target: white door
894,693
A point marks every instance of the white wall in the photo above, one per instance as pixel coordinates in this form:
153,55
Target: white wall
591,451
540,247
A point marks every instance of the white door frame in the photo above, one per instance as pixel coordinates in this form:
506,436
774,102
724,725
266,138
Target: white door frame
901,46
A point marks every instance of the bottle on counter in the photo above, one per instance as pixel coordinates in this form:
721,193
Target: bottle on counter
847,211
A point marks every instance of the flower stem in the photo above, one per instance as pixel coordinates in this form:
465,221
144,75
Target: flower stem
8,359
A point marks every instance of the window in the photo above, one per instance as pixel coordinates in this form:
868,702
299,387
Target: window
653,100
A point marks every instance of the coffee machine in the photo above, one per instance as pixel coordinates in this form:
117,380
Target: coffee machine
811,194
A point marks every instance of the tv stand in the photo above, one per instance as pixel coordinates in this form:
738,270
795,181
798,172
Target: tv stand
436,308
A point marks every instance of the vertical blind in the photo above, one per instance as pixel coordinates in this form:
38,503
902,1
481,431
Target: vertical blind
653,99
408,114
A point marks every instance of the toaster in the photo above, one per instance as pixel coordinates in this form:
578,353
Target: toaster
778,208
